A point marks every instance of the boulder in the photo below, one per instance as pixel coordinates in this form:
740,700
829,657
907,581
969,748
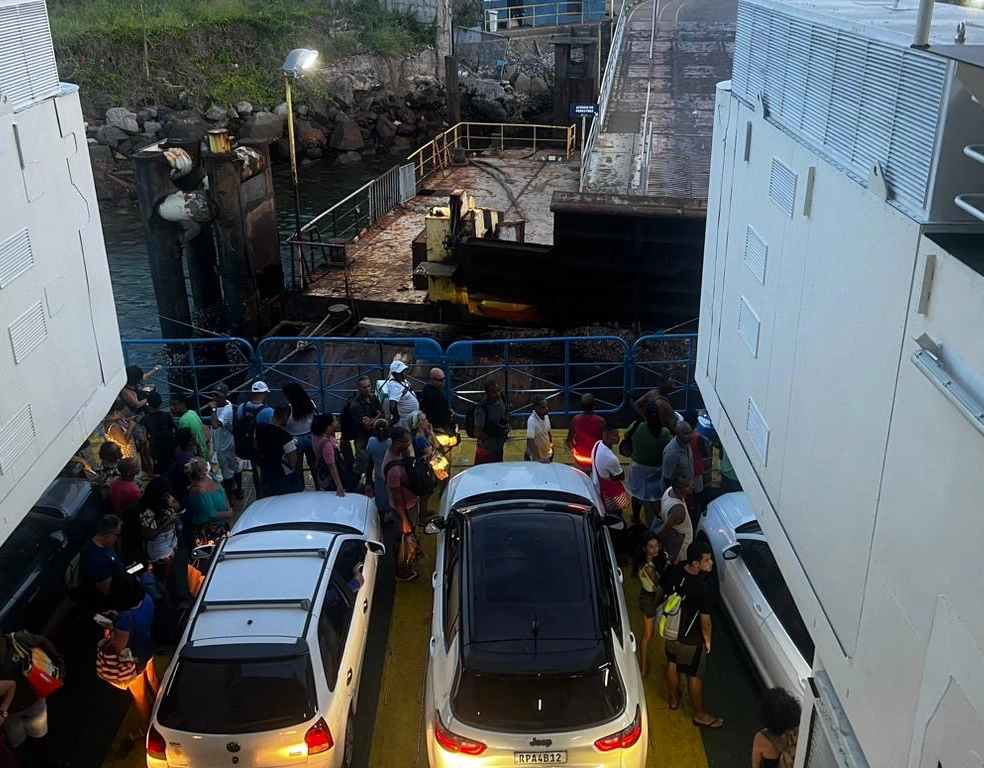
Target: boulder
280,149
281,110
122,118
179,126
522,83
385,130
102,161
346,137
325,113
407,116
406,129
262,126
151,126
111,135
216,114
342,90
347,158
489,111
303,111
511,72
539,88
244,109
312,139
313,153
145,114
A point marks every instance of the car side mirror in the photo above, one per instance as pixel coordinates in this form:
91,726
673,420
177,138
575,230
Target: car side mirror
58,540
732,552
376,547
614,522
434,526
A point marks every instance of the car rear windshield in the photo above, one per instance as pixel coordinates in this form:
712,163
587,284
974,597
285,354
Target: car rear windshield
238,696
538,703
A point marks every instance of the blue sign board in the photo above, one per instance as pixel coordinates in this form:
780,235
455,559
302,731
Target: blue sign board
584,110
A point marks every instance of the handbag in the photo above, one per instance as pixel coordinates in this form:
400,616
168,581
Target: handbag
625,447
117,669
38,668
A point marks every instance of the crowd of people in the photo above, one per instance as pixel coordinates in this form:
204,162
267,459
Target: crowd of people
171,480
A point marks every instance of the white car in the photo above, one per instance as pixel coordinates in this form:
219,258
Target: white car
755,595
531,658
267,671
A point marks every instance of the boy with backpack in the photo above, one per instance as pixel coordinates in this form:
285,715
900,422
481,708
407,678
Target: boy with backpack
406,482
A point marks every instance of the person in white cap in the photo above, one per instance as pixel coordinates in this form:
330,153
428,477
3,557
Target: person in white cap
402,400
249,416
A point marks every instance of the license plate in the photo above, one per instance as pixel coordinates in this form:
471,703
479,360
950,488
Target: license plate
557,757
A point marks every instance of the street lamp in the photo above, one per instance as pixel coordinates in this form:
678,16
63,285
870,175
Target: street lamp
296,64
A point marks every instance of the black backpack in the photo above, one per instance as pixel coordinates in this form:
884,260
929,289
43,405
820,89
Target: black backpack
470,417
244,429
347,422
420,477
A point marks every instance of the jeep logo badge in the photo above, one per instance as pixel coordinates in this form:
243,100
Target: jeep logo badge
534,742
233,747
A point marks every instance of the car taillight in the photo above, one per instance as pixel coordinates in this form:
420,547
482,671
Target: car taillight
452,742
318,738
624,738
156,746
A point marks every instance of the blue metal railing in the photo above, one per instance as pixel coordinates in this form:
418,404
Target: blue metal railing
560,368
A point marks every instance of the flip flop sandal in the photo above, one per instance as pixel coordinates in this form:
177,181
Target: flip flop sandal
717,722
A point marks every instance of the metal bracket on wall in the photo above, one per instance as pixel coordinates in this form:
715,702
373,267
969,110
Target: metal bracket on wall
931,361
876,181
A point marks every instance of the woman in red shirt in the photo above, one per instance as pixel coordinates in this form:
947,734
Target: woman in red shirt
584,432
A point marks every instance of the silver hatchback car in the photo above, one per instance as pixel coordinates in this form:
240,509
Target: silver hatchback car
531,658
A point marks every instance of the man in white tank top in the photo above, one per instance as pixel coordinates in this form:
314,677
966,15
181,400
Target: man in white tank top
673,527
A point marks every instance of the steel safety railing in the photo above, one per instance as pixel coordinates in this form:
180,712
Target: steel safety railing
330,368
560,368
605,89
436,155
501,16
320,244
194,366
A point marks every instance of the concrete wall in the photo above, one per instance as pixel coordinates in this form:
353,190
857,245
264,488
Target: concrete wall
423,10
60,358
865,489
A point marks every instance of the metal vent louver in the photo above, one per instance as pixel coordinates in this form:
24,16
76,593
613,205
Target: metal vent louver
756,253
757,430
749,326
27,332
16,257
28,73
16,436
853,100
782,186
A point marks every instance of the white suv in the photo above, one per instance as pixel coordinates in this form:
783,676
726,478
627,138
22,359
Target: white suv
531,658
267,671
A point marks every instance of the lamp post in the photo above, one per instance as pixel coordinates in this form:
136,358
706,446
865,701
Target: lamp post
297,62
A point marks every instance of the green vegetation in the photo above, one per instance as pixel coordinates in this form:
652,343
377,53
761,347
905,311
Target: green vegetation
189,53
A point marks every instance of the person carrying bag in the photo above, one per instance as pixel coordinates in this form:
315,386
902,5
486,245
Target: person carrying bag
125,657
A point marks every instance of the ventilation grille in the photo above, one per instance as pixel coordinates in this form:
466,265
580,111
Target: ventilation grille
852,99
782,186
757,430
820,753
16,257
16,436
748,326
27,332
27,59
756,253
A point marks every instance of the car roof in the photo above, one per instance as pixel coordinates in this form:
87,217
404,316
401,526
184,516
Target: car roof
262,585
352,511
520,476
734,508
532,603
63,499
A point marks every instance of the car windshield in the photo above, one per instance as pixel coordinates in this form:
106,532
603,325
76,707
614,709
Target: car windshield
238,696
533,703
